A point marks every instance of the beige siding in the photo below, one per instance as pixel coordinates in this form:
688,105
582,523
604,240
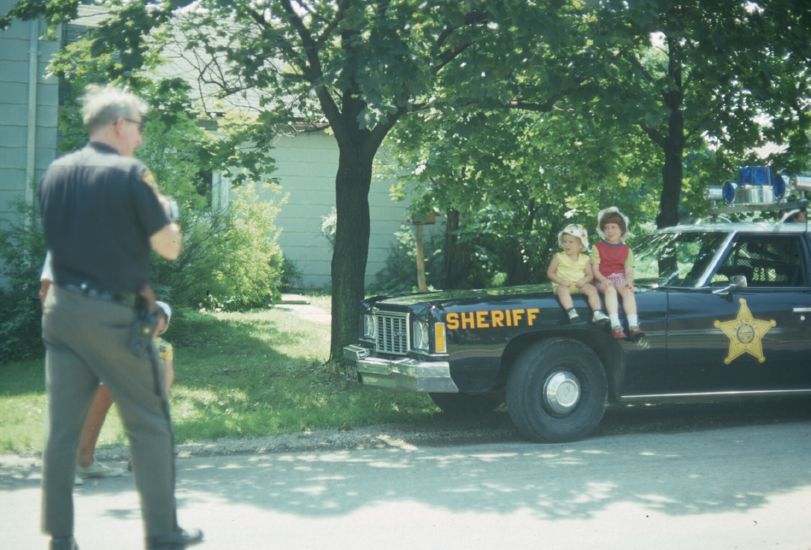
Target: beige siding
306,168
15,51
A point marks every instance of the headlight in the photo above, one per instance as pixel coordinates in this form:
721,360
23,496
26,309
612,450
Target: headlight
419,332
369,327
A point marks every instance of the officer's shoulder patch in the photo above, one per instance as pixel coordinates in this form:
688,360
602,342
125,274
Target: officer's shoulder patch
149,178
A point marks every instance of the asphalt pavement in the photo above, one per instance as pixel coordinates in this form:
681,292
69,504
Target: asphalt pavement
716,477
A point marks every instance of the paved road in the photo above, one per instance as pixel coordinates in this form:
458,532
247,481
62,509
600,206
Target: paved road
645,481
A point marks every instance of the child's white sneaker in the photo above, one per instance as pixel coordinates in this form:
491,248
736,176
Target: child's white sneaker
98,470
599,318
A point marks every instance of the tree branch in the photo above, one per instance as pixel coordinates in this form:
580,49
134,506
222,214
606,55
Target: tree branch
654,135
326,34
283,45
314,72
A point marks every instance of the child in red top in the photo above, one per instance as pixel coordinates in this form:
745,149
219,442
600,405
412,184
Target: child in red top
613,270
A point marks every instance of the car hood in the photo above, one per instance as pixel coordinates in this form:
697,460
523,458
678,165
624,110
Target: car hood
448,298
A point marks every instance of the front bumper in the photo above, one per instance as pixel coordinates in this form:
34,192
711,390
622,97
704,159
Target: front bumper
401,374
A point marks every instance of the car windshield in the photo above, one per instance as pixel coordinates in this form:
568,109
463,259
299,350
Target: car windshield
675,259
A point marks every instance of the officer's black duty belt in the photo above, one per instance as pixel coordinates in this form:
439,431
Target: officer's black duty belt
123,298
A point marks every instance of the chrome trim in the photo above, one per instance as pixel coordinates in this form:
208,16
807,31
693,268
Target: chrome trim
355,353
802,310
401,374
729,393
389,337
561,392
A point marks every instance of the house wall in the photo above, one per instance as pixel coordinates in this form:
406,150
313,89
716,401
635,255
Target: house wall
28,116
306,167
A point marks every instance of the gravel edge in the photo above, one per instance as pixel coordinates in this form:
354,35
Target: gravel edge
405,436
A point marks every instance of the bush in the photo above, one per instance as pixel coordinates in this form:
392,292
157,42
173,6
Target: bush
22,251
400,272
292,277
230,260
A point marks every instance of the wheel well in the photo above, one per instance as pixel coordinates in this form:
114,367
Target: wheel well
606,349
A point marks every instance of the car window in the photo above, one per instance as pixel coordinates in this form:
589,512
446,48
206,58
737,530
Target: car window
675,259
765,261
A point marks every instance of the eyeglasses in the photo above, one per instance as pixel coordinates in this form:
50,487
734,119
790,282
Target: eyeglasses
139,123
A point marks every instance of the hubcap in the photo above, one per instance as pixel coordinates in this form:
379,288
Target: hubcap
561,392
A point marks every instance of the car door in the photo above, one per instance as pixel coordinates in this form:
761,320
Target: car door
755,338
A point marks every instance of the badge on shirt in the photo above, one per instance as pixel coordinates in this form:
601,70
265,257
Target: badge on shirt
149,178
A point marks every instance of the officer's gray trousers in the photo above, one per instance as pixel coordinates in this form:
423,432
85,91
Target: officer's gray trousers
86,340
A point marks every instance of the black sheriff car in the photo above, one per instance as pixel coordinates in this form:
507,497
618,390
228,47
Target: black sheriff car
725,309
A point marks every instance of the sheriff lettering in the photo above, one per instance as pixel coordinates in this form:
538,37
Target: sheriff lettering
495,318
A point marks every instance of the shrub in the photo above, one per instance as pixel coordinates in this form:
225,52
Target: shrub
231,258
292,277
400,272
22,251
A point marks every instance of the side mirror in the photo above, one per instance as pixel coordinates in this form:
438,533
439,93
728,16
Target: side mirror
739,281
736,282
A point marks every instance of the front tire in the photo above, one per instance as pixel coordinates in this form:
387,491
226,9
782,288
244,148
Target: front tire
557,391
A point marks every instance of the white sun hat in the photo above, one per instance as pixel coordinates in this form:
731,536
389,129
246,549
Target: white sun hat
578,232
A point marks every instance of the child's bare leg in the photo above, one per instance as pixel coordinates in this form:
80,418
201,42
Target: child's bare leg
629,304
102,402
628,301
610,296
592,296
564,296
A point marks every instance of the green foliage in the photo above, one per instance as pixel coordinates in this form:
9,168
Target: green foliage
292,277
329,226
400,271
711,72
22,251
514,179
231,258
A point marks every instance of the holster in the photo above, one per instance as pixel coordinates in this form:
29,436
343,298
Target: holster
144,322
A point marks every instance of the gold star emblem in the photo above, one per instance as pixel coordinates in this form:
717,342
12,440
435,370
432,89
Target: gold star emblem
745,334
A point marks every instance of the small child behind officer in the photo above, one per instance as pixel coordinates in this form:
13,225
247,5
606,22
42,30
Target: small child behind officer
571,273
165,350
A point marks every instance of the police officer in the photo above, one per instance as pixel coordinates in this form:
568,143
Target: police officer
102,214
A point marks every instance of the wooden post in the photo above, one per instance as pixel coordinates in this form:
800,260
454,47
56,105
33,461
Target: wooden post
420,259
419,221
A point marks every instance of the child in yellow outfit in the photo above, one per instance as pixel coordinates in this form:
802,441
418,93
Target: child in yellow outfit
165,350
571,273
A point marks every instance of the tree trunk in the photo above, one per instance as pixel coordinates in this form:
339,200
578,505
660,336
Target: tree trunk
518,270
351,245
672,173
451,262
673,145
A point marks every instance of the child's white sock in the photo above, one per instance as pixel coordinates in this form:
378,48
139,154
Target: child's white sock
633,320
615,319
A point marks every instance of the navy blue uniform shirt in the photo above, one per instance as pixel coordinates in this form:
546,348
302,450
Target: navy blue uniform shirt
99,209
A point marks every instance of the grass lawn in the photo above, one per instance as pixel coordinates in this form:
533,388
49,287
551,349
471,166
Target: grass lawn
256,373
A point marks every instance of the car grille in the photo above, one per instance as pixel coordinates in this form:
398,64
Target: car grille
392,333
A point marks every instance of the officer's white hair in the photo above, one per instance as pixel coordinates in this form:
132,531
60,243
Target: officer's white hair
103,105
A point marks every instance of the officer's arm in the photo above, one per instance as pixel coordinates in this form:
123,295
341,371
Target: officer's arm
166,241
